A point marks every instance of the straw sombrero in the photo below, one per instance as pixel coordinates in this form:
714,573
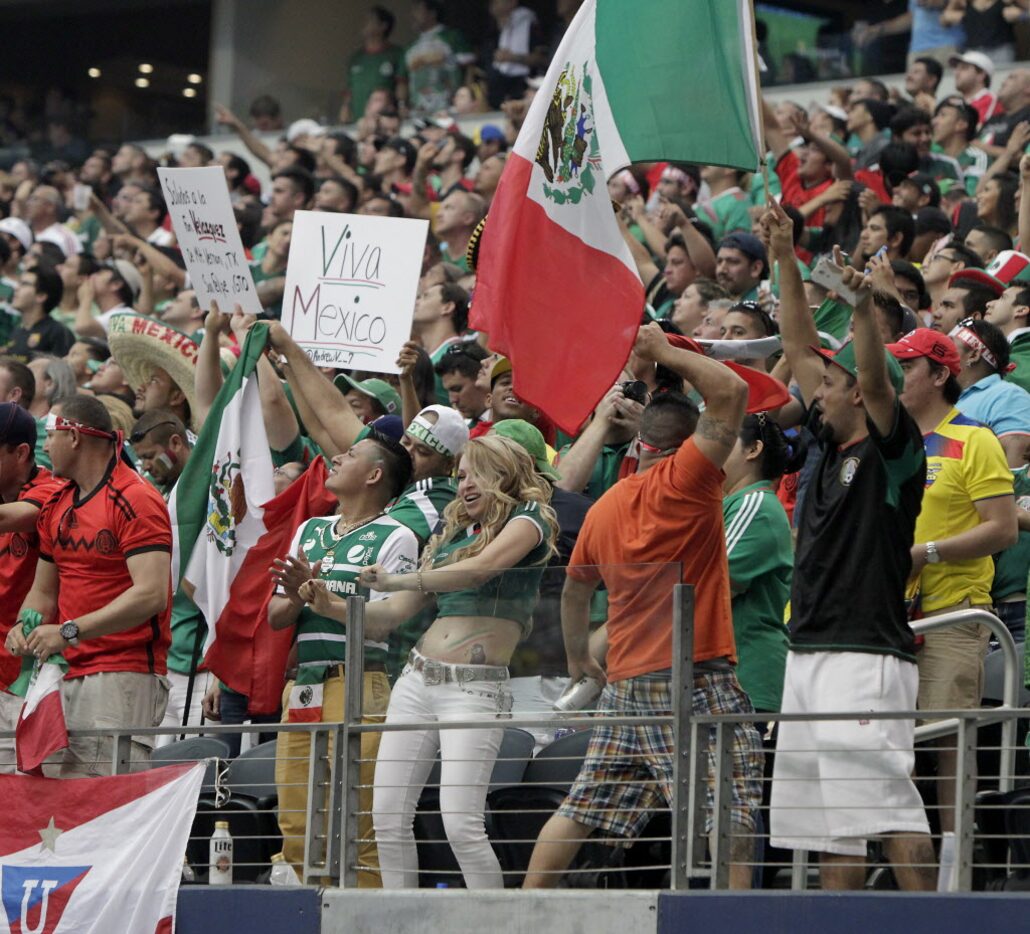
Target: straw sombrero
121,415
141,345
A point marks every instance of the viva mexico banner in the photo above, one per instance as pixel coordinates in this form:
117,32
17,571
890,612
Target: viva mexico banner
557,290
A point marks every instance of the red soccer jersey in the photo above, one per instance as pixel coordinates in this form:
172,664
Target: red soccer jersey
794,191
18,554
89,540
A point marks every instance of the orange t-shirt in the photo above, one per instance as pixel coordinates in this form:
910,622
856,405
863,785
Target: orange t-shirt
647,533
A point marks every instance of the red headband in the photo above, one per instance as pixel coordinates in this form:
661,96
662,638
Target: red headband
969,337
60,423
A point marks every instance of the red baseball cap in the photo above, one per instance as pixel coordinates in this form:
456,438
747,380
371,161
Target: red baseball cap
924,342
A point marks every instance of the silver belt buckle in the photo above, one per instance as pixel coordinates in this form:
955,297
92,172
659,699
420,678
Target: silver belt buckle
433,673
463,674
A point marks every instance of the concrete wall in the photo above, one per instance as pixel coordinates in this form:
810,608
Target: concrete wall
265,47
264,910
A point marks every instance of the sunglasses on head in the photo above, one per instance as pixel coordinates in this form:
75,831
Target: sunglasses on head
138,436
654,449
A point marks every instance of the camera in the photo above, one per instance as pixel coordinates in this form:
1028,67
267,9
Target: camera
635,389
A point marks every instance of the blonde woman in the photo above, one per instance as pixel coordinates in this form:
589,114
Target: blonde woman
484,569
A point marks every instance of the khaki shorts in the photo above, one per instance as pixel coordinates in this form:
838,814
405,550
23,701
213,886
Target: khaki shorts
114,699
951,664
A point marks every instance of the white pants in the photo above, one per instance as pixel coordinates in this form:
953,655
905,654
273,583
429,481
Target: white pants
467,761
177,703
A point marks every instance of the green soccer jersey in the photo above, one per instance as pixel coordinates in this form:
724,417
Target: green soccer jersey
761,558
9,322
434,62
42,458
384,541
1019,354
757,192
185,622
606,469
420,507
728,213
1012,565
259,275
460,261
370,71
436,356
833,318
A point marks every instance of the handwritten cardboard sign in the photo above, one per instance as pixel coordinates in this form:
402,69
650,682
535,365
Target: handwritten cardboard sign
204,224
350,287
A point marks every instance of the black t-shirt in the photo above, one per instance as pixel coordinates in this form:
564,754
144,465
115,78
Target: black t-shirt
997,130
854,542
47,335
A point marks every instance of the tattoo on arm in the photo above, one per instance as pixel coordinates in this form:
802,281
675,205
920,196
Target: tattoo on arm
477,655
716,429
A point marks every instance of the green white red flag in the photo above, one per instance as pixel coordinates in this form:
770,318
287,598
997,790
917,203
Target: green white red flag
557,290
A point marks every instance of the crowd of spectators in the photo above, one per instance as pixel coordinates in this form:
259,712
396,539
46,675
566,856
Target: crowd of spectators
885,485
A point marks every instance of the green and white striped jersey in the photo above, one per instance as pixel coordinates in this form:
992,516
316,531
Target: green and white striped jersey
420,507
384,541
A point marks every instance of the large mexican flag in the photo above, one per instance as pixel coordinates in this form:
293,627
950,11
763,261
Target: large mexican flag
557,290
217,506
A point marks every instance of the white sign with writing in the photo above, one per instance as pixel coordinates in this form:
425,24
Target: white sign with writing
350,287
204,224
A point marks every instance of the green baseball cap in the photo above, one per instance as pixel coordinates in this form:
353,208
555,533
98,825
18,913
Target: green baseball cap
845,359
378,389
529,438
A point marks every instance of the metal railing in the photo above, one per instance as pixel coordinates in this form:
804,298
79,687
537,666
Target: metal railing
333,784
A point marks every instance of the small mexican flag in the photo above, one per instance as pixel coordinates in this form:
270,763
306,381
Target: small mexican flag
217,506
41,729
557,290
248,655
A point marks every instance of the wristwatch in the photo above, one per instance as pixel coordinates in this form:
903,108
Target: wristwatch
933,556
70,632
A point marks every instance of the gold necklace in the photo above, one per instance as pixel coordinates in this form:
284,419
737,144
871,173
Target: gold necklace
345,531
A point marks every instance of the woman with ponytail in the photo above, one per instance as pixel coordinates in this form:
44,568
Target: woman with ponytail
761,555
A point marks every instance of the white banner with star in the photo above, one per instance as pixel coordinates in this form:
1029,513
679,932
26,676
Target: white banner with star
95,855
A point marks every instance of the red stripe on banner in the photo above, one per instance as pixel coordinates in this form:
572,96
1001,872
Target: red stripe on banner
565,314
247,654
304,715
72,802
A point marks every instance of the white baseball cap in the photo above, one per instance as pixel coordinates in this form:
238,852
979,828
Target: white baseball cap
448,435
977,59
304,127
18,229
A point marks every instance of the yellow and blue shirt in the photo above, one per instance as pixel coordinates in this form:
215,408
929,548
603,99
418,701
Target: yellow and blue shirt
965,464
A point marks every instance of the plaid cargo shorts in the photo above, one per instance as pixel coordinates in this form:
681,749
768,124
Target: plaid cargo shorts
628,770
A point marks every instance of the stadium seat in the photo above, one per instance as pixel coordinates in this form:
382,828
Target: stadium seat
193,750
517,813
436,862
250,811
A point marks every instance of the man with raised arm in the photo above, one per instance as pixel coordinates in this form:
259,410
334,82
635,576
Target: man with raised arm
836,783
650,531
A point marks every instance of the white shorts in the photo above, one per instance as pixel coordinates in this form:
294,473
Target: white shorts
837,782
